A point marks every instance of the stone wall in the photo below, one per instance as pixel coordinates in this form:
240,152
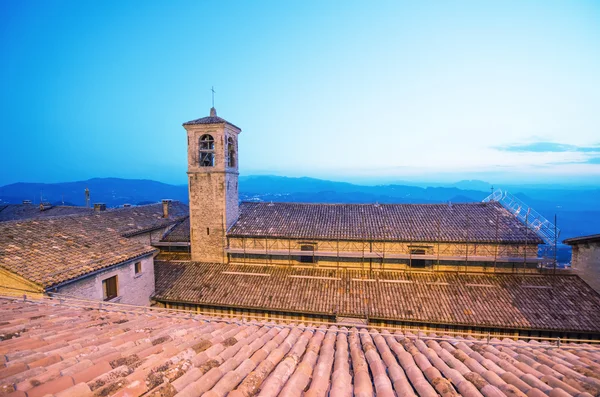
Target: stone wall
586,263
207,216
275,253
213,193
132,289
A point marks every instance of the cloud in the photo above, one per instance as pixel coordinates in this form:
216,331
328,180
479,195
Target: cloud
547,147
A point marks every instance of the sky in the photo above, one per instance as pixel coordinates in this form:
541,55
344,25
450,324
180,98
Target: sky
502,91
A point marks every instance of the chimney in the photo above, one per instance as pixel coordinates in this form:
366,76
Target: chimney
26,201
99,207
87,197
166,203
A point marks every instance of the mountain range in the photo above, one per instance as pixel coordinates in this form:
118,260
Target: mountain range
577,209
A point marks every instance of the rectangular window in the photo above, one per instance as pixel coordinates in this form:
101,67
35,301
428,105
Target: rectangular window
138,267
307,258
420,263
109,286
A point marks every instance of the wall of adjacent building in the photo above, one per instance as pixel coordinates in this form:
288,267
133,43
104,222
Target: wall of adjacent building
460,251
132,289
150,237
586,263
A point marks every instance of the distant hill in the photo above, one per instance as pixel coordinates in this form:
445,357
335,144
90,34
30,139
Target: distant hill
111,191
578,210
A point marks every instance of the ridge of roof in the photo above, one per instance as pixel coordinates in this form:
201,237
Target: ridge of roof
376,204
582,239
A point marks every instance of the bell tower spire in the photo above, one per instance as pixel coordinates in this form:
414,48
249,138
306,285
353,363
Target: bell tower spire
212,184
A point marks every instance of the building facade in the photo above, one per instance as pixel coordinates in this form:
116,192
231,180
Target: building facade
478,236
585,259
104,255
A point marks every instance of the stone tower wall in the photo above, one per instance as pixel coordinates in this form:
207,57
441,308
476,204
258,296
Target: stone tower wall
213,192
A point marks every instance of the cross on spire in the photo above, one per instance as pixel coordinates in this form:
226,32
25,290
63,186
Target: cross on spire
213,96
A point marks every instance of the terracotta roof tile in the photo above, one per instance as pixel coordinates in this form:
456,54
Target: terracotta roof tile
178,233
210,120
12,212
475,222
210,357
541,302
54,250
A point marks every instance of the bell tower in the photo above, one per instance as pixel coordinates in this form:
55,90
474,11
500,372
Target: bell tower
213,185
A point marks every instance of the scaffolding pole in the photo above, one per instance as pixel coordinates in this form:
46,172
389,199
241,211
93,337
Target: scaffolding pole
497,242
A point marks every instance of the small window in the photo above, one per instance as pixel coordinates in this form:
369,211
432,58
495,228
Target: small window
109,286
230,152
207,151
138,267
307,258
420,263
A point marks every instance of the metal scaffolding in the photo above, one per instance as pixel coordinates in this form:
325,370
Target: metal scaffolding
545,229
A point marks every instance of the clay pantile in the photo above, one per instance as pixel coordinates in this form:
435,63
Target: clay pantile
51,251
179,233
209,357
13,212
212,119
473,222
568,304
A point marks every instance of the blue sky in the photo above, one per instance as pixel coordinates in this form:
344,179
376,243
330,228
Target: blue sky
432,91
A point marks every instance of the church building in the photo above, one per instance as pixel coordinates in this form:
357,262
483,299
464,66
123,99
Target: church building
480,236
455,266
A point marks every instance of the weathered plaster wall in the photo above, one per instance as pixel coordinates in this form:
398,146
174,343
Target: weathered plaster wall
132,289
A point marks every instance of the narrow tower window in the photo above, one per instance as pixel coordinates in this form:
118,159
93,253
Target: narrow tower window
230,152
207,151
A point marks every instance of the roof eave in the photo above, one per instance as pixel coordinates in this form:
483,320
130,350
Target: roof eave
109,267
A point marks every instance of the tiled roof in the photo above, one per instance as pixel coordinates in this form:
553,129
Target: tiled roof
582,239
11,212
553,302
211,120
180,233
63,351
54,250
473,222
